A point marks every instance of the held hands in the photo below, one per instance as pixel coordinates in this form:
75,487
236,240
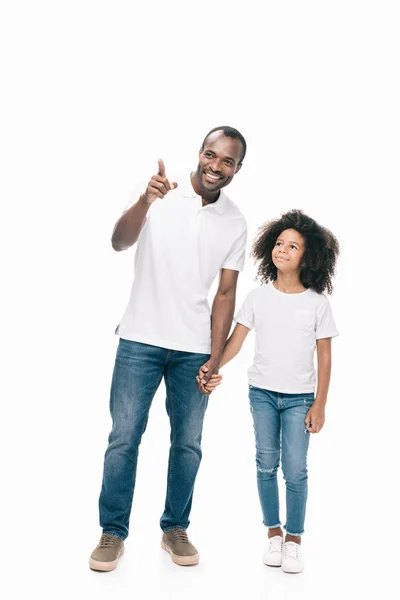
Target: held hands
158,185
208,377
315,418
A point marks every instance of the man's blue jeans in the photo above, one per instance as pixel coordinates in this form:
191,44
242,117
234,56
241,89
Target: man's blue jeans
279,427
138,371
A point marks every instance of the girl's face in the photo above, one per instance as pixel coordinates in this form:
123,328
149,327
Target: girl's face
288,251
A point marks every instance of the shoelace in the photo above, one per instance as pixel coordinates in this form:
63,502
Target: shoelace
275,545
180,535
107,541
291,550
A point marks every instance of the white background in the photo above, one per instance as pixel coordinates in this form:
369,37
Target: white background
92,94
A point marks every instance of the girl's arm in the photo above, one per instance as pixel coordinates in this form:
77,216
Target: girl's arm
234,343
231,349
324,358
315,418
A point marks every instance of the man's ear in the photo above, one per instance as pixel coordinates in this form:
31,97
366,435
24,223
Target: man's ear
238,168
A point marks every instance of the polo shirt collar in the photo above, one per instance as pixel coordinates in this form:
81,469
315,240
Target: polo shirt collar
188,192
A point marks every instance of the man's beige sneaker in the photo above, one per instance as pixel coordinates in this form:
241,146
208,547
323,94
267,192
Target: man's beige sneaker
177,543
107,553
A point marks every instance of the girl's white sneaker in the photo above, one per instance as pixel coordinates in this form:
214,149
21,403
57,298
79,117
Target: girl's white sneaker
292,561
273,553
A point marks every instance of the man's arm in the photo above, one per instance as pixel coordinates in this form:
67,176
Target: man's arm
221,320
129,226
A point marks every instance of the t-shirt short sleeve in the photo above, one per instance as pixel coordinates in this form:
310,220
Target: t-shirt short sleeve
236,257
245,316
326,326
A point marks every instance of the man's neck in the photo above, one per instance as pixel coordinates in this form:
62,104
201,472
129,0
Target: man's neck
206,197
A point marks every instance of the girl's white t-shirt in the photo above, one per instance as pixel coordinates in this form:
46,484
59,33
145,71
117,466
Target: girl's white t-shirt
287,327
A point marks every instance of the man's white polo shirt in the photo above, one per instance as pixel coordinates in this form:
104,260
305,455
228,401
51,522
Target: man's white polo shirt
180,251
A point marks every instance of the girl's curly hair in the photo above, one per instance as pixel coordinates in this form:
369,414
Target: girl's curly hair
319,260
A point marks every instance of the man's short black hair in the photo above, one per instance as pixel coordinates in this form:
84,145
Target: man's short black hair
229,132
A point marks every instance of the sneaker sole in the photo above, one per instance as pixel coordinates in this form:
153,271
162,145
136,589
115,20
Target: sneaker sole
272,564
292,571
98,565
183,561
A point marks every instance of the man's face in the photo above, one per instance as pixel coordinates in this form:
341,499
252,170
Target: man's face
219,161
288,251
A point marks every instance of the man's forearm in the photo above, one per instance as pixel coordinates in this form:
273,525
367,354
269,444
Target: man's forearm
221,321
128,228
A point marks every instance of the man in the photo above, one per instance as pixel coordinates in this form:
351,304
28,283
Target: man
187,232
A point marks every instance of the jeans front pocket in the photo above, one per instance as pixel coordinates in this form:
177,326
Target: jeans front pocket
308,399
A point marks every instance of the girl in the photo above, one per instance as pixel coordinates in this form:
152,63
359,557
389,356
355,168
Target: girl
296,260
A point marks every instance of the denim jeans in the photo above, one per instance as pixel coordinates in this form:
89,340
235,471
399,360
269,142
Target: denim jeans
138,371
280,429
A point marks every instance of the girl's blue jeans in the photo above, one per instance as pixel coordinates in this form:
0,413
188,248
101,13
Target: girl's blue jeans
281,434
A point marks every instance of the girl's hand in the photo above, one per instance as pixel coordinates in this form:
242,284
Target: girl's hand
205,373
315,418
214,381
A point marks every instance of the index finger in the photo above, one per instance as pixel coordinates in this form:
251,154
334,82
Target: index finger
161,167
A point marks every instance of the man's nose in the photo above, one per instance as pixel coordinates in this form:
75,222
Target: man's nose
216,164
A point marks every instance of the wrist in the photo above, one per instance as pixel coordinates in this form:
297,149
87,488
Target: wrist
143,201
320,401
215,359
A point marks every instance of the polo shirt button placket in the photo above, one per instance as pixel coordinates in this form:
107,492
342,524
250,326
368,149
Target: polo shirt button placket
199,207
197,214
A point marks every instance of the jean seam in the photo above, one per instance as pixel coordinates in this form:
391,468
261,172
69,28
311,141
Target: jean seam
172,424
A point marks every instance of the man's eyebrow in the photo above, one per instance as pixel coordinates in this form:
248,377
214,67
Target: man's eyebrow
212,152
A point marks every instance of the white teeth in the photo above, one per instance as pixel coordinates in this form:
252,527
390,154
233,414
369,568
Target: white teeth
212,176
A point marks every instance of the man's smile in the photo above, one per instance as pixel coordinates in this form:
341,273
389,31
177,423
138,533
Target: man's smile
212,176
